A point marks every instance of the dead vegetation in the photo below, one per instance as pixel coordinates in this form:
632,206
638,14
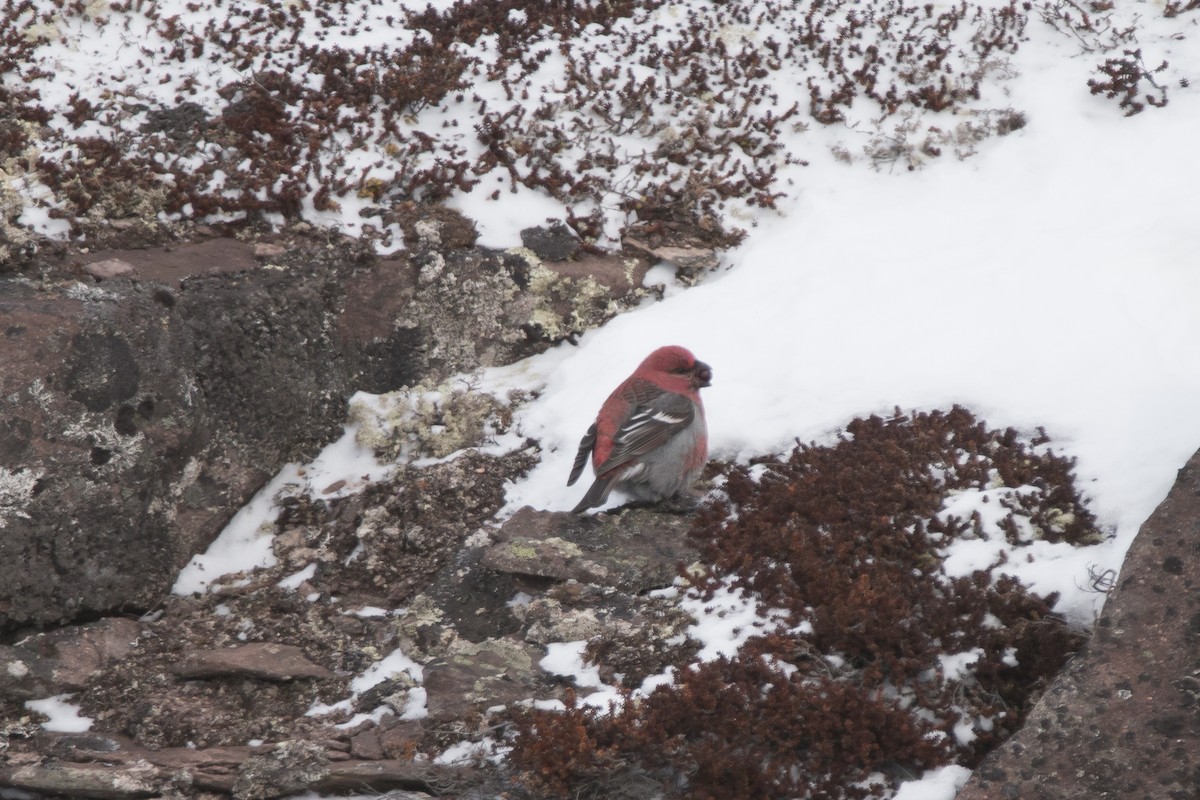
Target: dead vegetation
506,92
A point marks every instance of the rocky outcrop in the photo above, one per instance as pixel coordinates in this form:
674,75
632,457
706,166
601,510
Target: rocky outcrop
255,690
139,415
1123,719
65,659
174,699
147,394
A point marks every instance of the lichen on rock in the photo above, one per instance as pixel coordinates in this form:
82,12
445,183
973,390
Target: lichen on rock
564,305
290,767
419,422
16,490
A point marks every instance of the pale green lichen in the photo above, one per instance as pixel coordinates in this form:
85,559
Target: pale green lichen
418,422
468,312
568,549
521,550
565,306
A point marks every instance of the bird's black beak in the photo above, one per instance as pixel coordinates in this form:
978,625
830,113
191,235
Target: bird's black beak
702,375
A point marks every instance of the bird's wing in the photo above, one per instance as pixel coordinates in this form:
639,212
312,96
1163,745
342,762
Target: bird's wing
654,420
585,449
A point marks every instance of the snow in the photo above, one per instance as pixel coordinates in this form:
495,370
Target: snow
391,665
726,621
936,784
340,469
1044,282
566,658
467,753
63,715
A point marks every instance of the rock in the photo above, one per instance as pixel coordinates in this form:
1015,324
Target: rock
147,412
288,768
63,660
268,250
399,738
547,620
82,652
101,781
1123,718
366,745
690,262
632,550
385,776
110,268
266,661
474,599
474,677
171,265
554,243
134,422
436,227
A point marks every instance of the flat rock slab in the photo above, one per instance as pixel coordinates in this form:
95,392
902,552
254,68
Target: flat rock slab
85,780
1123,719
265,660
635,550
114,768
171,265
691,259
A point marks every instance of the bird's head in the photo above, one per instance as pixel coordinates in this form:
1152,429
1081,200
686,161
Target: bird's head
679,363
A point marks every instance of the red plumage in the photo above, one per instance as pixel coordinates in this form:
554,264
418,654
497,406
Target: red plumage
650,439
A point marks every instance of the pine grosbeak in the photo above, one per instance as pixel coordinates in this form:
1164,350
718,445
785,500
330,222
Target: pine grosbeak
649,440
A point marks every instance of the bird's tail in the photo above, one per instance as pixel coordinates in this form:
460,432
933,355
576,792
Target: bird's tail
598,493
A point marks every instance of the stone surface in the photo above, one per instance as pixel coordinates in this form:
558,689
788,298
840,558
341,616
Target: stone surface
63,660
137,416
134,420
689,261
114,768
633,550
475,677
1123,719
268,250
554,242
265,660
110,268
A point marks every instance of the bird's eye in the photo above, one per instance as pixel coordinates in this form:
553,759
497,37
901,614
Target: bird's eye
683,370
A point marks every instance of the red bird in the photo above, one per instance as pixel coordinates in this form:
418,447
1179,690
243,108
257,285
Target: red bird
649,440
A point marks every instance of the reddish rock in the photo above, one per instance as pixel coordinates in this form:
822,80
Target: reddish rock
265,660
366,744
172,264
